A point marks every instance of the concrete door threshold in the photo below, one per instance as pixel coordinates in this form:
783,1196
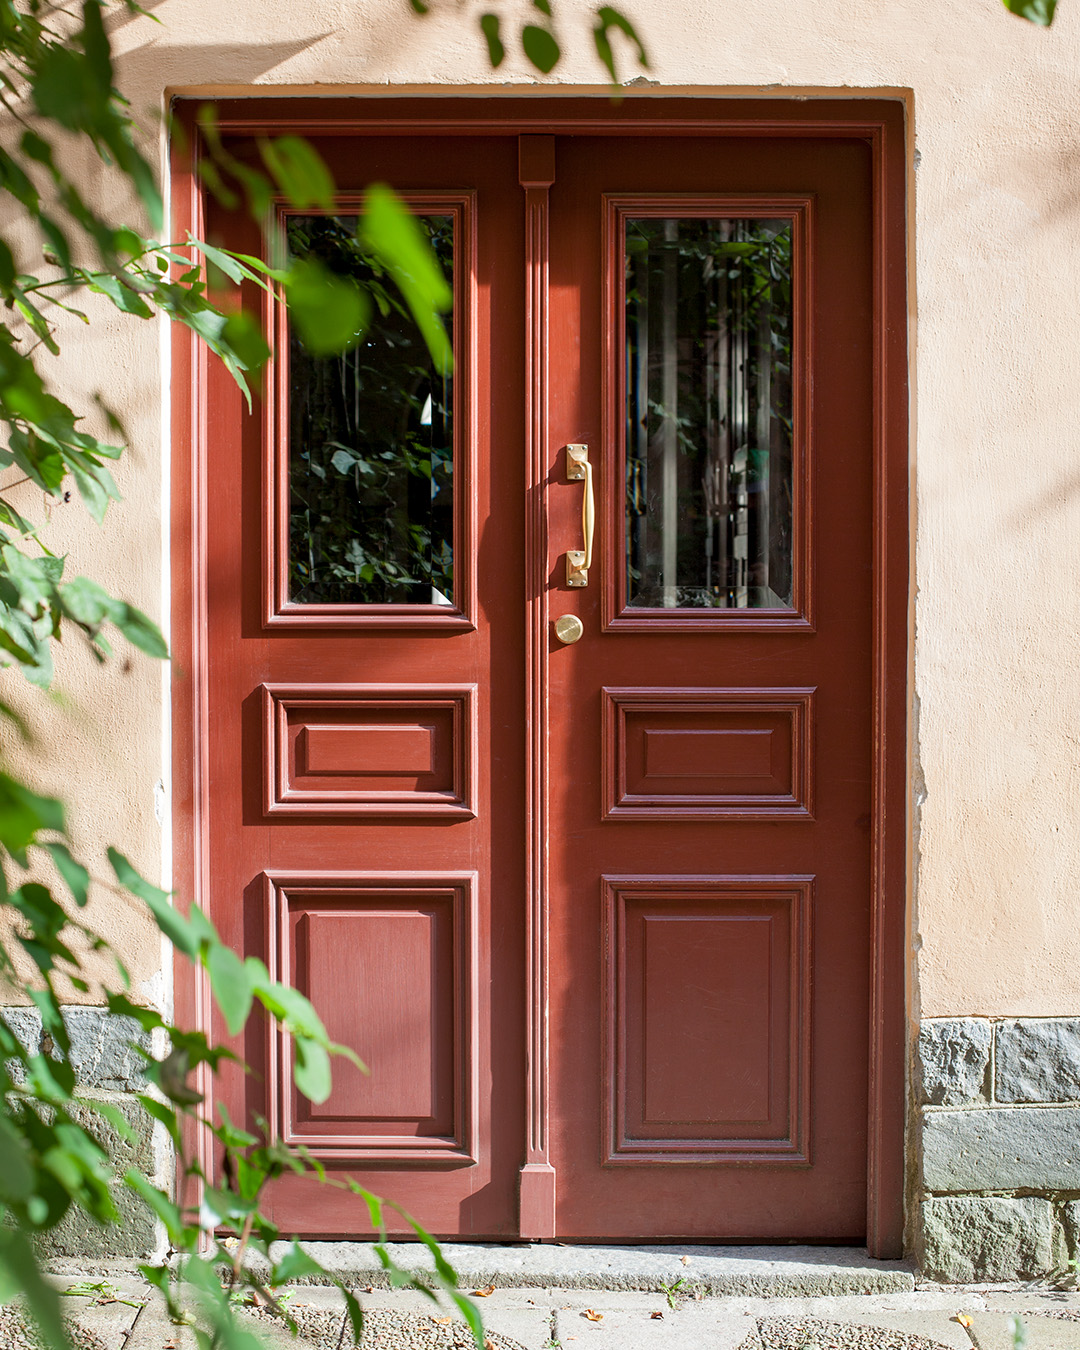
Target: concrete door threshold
769,1272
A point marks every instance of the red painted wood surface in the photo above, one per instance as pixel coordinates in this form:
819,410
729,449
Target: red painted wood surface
341,814
546,943
699,994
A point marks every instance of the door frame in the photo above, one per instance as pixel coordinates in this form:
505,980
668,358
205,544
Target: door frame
881,122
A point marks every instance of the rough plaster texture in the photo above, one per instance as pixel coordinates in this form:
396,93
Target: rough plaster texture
996,228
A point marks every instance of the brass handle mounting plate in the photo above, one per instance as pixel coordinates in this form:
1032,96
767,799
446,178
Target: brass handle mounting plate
578,561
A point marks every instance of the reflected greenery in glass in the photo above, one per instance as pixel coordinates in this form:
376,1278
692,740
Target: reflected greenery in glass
708,415
371,505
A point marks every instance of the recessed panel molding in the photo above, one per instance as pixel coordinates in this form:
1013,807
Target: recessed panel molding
370,750
707,1020
389,961
708,754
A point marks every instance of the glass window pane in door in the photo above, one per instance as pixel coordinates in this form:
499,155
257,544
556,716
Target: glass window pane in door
708,413
371,462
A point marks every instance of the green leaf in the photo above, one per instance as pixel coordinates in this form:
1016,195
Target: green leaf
295,1263
489,26
232,985
1040,12
75,875
311,1069
330,312
291,1008
96,487
116,1119
238,266
299,171
166,1116
123,297
23,813
242,335
140,631
16,1173
471,1314
390,231
540,47
9,516
606,19
171,922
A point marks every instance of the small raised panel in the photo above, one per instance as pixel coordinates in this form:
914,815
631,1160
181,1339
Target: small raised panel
707,1009
389,961
703,754
367,750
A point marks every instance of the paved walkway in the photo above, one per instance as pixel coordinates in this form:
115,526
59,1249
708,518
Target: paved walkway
117,1311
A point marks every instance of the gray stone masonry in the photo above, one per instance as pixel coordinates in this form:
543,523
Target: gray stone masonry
107,1067
953,1059
1037,1060
999,1112
135,1233
101,1046
988,1238
1005,1148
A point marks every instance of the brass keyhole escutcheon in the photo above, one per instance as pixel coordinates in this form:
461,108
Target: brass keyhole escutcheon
568,628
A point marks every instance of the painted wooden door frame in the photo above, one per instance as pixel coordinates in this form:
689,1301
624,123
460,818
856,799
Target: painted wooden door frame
879,122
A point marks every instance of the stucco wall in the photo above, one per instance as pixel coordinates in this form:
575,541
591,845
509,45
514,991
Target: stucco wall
996,229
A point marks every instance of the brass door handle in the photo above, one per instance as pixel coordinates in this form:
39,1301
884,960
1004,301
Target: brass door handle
578,561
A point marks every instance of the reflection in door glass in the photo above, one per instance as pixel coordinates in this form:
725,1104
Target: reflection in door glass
708,417
371,488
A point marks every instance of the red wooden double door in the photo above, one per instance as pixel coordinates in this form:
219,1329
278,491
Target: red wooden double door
578,859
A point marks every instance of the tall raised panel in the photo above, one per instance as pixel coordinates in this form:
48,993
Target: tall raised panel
369,750
707,754
707,1010
389,962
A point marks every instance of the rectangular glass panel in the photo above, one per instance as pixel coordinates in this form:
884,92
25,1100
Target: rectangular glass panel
708,413
371,463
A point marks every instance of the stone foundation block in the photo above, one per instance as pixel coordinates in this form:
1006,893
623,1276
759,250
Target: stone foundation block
101,1046
1003,1148
953,1059
1037,1060
987,1238
135,1234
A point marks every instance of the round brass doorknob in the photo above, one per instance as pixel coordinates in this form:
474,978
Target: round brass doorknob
568,628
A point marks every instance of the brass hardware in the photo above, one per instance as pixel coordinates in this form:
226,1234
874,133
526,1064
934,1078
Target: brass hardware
578,561
568,628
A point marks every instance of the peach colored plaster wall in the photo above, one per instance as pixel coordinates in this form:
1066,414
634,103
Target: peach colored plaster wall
997,228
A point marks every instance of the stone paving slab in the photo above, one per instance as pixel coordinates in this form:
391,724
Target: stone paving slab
994,1331
701,1326
543,1317
108,1313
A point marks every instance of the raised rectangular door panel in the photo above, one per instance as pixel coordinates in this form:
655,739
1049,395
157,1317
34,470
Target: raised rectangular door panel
704,754
708,1019
390,963
369,750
